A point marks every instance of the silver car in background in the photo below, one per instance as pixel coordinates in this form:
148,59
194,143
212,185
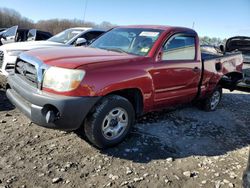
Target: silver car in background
70,37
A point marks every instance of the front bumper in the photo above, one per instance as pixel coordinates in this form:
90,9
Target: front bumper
70,112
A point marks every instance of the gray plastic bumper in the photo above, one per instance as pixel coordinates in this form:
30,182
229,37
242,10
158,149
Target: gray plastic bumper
49,110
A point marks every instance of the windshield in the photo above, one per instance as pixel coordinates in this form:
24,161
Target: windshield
65,36
135,41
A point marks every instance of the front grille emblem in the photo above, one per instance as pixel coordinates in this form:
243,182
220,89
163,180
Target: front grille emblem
31,69
24,70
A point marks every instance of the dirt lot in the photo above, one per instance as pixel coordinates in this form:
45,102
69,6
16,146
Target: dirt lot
184,147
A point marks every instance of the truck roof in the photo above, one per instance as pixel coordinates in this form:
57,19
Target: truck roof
162,27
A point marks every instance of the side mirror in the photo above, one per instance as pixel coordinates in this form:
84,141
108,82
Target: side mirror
81,42
222,48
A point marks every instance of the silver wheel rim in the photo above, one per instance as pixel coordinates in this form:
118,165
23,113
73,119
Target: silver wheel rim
215,99
115,123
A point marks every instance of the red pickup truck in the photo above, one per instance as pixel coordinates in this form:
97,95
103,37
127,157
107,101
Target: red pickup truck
128,71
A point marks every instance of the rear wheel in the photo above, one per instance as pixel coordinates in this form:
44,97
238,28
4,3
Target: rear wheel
212,102
110,122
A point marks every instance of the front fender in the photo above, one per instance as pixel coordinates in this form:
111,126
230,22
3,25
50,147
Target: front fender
103,82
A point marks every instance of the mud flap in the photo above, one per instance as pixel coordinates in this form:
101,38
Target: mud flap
229,83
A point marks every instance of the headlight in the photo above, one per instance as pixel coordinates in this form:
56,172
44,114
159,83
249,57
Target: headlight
14,52
62,80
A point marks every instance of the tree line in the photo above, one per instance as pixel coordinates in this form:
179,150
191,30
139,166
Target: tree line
212,41
10,17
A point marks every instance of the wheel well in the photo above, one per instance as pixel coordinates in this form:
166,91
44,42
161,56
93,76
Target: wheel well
230,80
134,96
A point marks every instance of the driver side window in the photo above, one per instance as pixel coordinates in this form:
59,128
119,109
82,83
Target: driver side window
179,47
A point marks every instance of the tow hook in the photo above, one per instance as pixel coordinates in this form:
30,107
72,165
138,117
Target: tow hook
50,113
50,117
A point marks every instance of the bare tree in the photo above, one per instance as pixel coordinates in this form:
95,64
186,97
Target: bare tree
212,41
56,25
10,17
106,25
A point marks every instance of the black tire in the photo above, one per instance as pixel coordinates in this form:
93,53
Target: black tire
209,104
93,125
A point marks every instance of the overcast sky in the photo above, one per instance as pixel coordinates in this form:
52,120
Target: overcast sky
214,18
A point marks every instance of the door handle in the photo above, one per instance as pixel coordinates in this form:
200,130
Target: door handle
196,69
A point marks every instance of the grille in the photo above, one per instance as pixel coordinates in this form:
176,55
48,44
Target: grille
1,58
27,72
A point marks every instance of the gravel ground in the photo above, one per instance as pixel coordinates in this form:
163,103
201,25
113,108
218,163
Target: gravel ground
184,147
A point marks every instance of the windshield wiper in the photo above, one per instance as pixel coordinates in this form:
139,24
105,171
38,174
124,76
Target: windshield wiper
117,50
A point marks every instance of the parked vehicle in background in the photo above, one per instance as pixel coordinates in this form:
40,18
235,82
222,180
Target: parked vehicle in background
67,38
32,35
125,73
14,34
242,44
211,49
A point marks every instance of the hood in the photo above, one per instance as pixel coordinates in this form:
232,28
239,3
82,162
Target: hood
24,46
74,57
239,43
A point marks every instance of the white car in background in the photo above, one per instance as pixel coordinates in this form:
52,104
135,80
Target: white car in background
73,36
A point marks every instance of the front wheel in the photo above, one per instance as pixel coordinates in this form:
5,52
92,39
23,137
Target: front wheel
110,121
212,102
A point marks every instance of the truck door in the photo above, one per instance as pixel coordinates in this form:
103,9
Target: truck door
177,74
31,36
9,35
